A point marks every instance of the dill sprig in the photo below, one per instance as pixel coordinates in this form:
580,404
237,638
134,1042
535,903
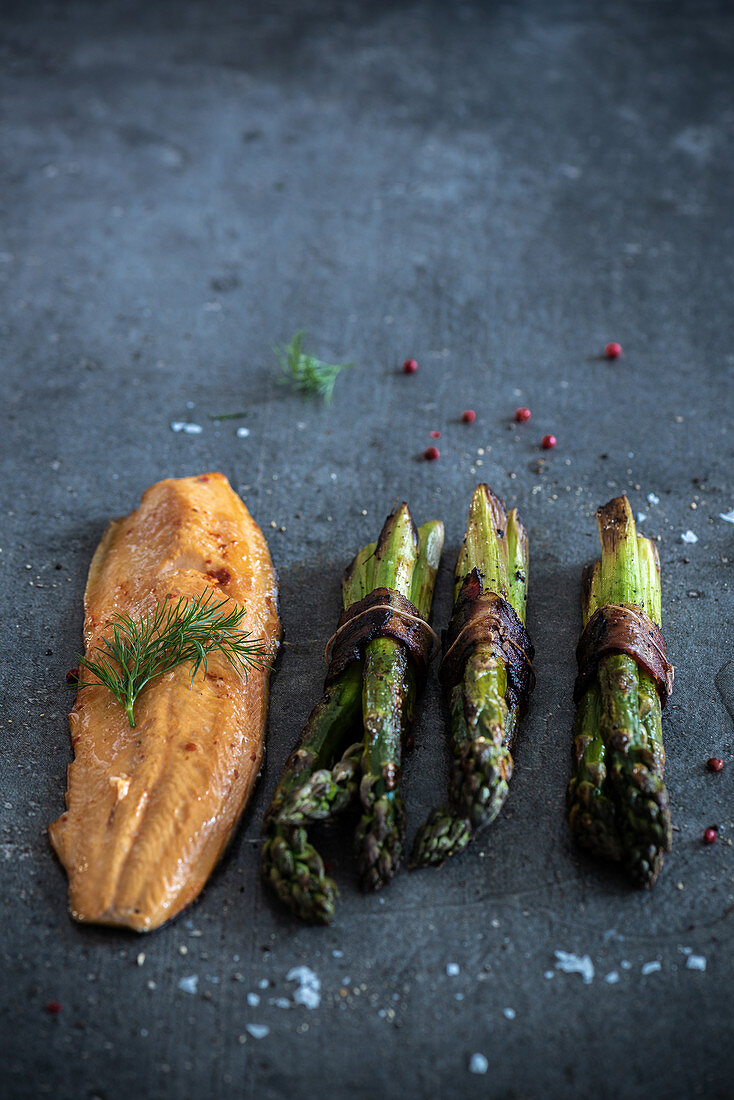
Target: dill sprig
306,372
167,635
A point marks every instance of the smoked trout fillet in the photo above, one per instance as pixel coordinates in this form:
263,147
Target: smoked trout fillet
151,808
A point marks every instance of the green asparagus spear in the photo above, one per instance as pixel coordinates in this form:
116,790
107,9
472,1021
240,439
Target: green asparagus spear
483,725
618,803
406,561
323,774
290,864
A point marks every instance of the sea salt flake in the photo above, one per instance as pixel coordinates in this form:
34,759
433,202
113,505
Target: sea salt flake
575,964
696,962
258,1031
651,967
689,536
478,1064
190,984
187,429
253,999
308,993
641,517
452,969
727,516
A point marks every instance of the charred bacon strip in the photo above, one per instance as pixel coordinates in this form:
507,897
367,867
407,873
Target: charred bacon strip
618,804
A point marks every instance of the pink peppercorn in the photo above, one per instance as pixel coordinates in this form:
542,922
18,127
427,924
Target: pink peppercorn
468,416
522,414
613,350
548,442
410,366
431,454
435,435
714,763
709,835
53,1008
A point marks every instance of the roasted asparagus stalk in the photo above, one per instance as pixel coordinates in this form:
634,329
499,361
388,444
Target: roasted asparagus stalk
405,561
352,742
491,653
617,800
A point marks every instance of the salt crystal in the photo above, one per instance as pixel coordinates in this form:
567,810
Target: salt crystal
548,974
652,499
728,516
689,536
575,964
650,968
696,962
253,999
242,433
509,1013
188,429
309,986
452,969
641,517
337,953
612,977
263,983
258,1031
281,1002
478,1064
190,984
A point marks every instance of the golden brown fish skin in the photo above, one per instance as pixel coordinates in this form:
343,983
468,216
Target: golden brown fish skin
150,809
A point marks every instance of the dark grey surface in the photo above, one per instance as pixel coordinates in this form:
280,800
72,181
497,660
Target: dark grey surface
497,190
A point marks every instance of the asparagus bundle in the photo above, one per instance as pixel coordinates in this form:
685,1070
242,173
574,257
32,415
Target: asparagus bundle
617,801
486,675
352,742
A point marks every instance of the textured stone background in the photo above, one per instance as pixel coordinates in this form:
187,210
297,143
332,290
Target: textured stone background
497,189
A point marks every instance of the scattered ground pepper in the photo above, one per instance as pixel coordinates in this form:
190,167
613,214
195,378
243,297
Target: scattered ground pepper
709,835
468,416
431,454
613,350
410,366
714,763
548,442
522,414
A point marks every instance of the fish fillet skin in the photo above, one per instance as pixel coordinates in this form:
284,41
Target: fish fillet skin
151,808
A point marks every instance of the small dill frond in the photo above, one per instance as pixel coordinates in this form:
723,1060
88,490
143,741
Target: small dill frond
305,372
167,635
